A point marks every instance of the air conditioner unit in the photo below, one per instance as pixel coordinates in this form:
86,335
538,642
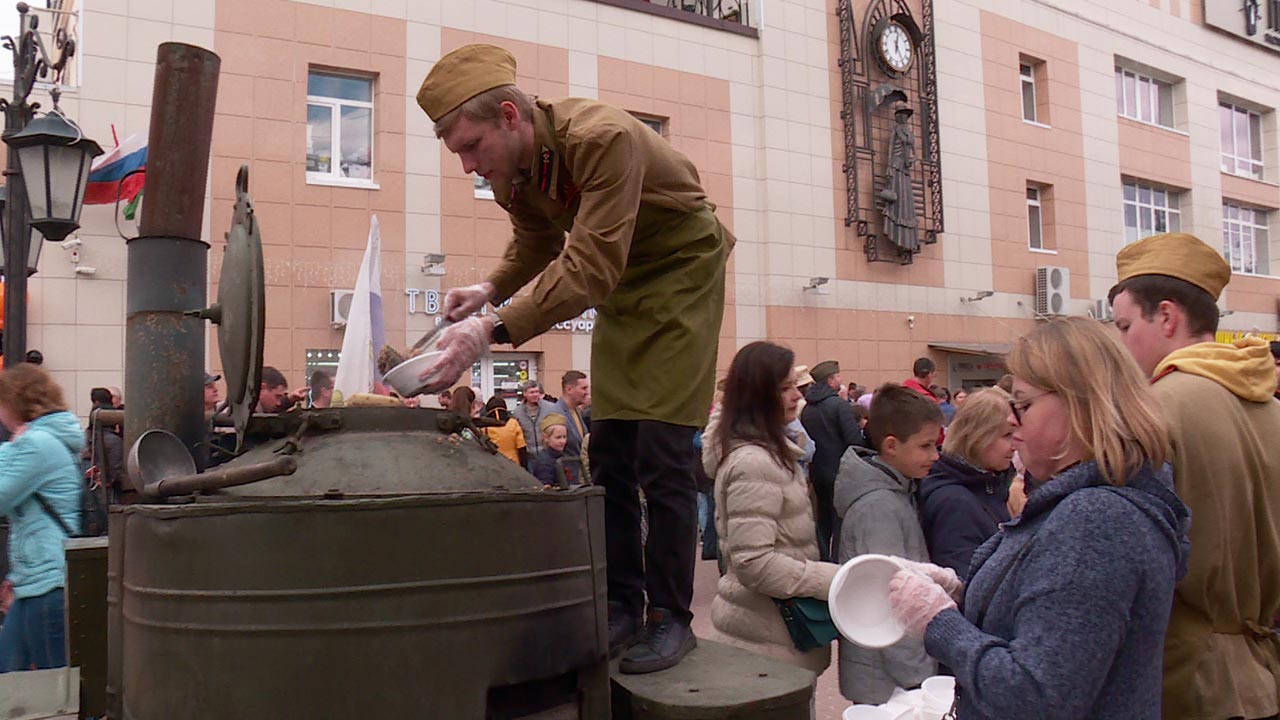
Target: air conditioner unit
1102,311
339,307
1053,290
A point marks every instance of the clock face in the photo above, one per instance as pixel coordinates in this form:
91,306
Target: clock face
895,47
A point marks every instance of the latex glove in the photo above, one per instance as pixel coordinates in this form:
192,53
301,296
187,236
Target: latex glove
460,346
915,600
945,577
464,301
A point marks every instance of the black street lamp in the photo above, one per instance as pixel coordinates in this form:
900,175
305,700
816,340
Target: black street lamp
52,158
35,241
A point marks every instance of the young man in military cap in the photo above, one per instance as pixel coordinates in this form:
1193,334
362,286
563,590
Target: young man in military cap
1221,658
614,218
830,423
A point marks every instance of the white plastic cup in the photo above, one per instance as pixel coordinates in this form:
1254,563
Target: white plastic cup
867,712
939,691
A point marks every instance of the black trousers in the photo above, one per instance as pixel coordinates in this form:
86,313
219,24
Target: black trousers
825,523
658,457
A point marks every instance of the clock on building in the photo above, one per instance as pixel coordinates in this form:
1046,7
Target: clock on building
894,48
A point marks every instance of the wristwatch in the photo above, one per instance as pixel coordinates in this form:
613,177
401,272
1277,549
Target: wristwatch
501,335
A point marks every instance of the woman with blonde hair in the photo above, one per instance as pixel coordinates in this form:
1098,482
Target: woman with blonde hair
1065,612
965,497
40,493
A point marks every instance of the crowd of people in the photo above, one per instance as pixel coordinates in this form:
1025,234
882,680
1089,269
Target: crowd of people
1098,536
1107,548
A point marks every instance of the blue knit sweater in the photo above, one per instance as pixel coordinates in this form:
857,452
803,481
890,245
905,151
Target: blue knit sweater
1076,628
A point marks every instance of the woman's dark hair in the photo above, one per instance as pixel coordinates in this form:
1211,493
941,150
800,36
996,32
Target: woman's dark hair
752,409
497,407
100,397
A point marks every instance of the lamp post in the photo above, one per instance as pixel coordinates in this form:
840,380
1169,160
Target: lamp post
48,166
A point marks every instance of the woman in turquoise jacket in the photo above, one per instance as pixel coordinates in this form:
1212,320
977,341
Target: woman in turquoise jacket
40,459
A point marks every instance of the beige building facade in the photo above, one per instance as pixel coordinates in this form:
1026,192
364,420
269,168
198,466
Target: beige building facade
1066,128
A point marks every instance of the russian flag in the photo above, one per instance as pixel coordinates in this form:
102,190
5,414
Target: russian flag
108,168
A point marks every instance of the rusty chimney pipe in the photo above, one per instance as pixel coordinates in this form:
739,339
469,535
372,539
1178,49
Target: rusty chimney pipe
168,264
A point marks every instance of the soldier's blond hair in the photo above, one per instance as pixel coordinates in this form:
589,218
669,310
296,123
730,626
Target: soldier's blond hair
487,107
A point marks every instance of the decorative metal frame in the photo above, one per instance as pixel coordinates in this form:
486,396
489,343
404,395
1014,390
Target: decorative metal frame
862,97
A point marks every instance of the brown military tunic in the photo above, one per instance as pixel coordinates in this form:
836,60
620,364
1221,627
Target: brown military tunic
644,248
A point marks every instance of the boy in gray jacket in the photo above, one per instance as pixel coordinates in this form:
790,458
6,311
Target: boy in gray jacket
875,501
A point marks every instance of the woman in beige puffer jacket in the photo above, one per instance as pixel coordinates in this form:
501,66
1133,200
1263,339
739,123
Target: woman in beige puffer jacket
764,512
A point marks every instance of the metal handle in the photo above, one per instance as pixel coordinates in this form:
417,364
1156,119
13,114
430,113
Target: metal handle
218,479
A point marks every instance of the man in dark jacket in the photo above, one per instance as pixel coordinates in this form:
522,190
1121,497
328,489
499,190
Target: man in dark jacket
830,423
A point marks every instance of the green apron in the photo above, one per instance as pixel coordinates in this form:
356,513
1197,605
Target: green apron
653,353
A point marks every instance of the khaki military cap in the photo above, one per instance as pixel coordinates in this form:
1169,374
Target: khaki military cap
824,370
1178,255
551,420
463,74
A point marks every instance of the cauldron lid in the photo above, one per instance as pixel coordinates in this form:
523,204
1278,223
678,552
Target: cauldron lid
242,297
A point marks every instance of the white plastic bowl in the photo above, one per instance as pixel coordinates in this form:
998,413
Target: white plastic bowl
859,601
404,377
867,712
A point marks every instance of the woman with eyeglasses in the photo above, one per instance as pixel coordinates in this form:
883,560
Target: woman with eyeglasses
1065,612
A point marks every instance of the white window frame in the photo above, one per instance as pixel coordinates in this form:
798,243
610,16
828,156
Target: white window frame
1248,231
1232,154
335,105
1027,79
482,373
1149,93
1171,209
1037,203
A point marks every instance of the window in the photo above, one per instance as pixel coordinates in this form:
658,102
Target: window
339,128
655,124
1244,239
1028,73
1143,98
1035,226
1241,137
1150,210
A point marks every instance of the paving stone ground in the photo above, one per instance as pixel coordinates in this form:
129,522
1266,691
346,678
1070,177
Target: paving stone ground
829,702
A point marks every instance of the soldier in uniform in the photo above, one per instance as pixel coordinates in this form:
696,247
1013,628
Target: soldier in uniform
613,218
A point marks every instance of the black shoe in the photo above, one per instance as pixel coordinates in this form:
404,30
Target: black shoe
624,629
666,641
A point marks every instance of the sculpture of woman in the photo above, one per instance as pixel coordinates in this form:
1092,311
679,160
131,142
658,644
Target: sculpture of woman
901,226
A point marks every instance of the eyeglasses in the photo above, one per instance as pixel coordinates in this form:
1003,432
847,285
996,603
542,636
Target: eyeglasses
1019,407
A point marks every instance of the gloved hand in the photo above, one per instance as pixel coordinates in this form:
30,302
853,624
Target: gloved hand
916,600
464,301
945,577
460,346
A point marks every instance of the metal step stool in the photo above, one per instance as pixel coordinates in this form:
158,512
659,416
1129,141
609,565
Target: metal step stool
715,681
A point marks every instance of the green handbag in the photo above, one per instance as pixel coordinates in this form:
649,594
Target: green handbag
809,622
